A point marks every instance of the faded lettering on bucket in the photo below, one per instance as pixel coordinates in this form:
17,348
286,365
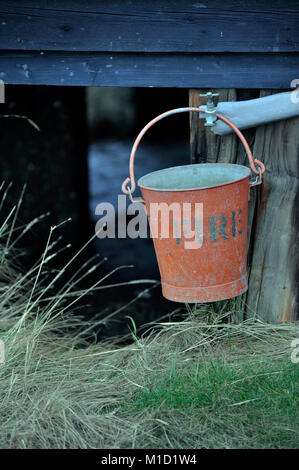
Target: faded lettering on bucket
220,229
181,215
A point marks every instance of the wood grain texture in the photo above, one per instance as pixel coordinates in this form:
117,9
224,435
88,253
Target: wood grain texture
162,43
156,26
272,219
273,290
142,70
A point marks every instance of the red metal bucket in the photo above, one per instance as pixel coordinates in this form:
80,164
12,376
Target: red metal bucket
198,220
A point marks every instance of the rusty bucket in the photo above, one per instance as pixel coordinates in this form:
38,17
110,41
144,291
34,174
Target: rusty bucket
198,219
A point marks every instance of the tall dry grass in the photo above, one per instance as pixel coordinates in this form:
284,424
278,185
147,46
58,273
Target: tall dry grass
201,382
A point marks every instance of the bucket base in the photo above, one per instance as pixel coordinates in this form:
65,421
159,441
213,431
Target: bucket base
205,294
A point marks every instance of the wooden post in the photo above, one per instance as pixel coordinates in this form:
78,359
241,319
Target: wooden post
272,294
273,291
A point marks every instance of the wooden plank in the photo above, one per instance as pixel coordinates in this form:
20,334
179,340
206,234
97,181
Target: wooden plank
156,26
141,70
273,287
272,218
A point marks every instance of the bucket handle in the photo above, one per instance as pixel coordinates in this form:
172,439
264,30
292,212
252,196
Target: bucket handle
256,166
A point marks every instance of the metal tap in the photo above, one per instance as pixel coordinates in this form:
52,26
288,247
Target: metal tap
209,109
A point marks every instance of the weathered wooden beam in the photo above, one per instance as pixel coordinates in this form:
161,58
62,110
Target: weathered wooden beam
155,26
273,280
142,70
273,220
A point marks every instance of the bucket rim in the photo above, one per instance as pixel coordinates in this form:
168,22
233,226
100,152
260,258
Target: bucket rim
233,165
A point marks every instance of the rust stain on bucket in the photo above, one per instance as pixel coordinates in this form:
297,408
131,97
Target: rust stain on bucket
217,269
215,197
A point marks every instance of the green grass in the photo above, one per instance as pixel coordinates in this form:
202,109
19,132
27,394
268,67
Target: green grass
219,384
256,403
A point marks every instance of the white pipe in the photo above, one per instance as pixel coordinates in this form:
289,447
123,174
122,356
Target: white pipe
251,113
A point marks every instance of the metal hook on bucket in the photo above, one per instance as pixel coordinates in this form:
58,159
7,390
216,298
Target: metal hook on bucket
258,177
256,166
137,199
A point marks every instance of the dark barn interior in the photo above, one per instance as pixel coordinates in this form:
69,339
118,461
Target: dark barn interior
77,159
